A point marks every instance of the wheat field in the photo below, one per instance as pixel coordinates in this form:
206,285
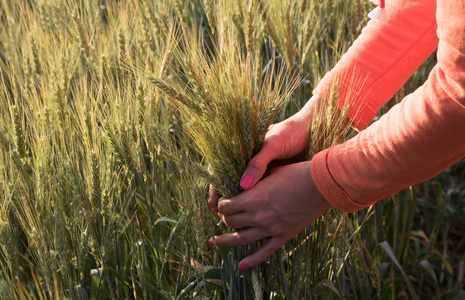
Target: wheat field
115,116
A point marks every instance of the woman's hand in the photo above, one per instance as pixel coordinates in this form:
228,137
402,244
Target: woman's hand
284,140
279,206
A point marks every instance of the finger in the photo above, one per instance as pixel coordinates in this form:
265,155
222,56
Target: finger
258,164
238,238
239,220
268,248
214,197
230,206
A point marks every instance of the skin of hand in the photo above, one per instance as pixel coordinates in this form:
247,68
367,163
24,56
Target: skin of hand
284,140
278,207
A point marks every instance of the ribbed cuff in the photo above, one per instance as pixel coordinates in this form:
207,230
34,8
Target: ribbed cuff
328,187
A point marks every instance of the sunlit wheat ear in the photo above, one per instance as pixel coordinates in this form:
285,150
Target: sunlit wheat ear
96,197
304,6
83,42
62,89
210,12
147,37
262,5
238,25
121,47
250,31
289,43
20,138
140,97
35,57
333,118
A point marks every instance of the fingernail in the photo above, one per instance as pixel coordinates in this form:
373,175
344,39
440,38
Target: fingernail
212,243
247,181
243,267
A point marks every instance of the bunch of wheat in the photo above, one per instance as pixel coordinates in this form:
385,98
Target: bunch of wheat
226,100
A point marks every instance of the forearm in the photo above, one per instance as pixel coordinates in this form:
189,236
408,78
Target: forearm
414,141
383,57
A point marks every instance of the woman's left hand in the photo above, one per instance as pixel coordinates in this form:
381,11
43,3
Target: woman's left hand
278,207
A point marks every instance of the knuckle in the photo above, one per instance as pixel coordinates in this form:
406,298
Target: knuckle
262,220
272,144
271,226
257,163
223,207
270,139
252,201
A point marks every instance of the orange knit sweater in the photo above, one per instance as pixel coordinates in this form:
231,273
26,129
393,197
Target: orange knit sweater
421,136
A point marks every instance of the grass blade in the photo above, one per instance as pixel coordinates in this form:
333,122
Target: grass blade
387,248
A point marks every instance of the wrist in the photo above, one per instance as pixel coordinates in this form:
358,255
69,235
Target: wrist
303,118
310,107
316,197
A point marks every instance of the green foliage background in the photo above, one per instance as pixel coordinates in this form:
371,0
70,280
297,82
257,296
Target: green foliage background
99,198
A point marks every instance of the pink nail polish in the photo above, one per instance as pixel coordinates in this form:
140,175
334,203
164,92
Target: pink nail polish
243,267
211,242
247,181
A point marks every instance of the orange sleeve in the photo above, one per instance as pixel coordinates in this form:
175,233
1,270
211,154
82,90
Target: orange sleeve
384,56
415,140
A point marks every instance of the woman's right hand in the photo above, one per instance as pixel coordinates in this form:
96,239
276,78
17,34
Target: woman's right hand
284,140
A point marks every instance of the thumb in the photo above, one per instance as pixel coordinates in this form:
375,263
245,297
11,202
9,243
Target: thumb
257,165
